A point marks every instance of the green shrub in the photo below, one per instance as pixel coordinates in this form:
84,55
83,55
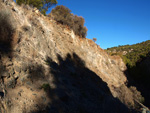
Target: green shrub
42,5
112,54
45,87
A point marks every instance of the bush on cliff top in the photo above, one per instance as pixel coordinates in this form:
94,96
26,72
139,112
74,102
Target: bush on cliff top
64,16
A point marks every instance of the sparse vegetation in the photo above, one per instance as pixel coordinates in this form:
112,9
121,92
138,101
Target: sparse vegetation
131,54
45,87
94,39
42,5
64,16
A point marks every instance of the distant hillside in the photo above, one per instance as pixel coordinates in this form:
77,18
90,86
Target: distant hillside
131,53
137,60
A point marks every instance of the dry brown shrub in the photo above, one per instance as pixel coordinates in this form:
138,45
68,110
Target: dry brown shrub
64,16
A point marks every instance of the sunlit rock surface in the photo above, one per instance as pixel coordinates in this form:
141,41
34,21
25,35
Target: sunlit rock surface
46,68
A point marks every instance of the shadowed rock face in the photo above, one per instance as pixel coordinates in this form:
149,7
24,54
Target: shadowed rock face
46,68
139,77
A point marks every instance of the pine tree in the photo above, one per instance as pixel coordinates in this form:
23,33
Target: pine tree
42,5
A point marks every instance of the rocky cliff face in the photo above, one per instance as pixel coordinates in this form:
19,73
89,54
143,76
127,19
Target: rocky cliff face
46,68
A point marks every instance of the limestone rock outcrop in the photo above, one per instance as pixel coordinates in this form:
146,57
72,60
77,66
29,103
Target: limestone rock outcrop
45,67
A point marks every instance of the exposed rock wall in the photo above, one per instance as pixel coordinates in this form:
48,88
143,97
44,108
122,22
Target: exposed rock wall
46,68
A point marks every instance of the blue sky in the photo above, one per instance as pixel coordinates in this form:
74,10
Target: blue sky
113,22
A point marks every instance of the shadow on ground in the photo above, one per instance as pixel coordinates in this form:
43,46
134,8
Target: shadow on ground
6,42
77,89
6,48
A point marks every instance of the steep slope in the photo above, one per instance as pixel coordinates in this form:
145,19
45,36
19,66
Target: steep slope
46,68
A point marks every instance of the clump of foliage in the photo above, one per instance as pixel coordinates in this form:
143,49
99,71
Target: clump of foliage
42,5
46,87
94,39
64,16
